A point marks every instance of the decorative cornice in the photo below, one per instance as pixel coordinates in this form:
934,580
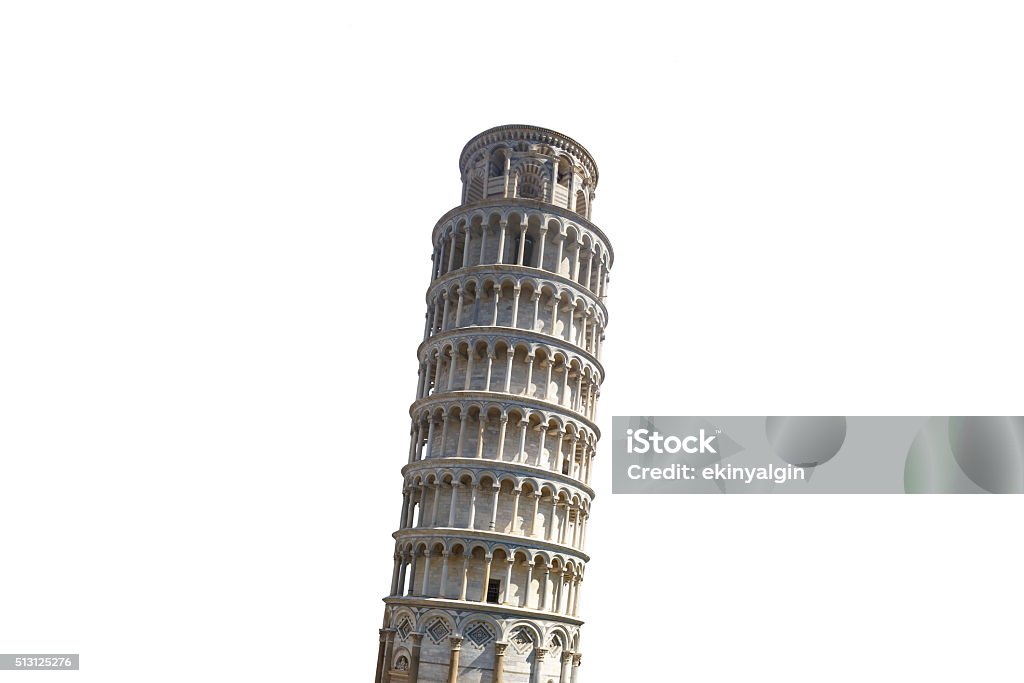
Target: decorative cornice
467,606
510,400
514,333
500,466
514,269
513,541
520,203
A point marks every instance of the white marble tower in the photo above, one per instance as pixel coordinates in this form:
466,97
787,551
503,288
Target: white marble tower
490,551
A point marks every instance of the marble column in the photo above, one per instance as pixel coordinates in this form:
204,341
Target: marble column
516,291
508,581
414,665
480,433
549,365
566,663
536,509
508,371
499,662
437,503
451,504
465,578
503,422
444,436
401,576
412,574
538,663
459,305
526,588
490,366
385,635
453,663
515,511
443,592
494,510
541,445
501,235
450,384
427,447
487,577
388,653
405,509
427,554
521,456
542,598
467,383
422,521
472,506
395,574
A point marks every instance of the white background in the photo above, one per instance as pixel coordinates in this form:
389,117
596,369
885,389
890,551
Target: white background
215,247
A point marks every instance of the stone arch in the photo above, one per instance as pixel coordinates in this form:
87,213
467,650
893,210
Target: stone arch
581,203
498,157
532,483
563,170
437,626
531,635
558,635
401,661
400,615
531,180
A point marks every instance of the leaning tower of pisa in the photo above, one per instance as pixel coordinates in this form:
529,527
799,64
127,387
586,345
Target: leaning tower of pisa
490,552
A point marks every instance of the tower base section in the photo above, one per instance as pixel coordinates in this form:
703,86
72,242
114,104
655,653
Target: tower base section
447,641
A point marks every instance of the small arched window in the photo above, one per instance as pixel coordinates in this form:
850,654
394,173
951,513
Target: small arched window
564,172
498,163
529,186
581,204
